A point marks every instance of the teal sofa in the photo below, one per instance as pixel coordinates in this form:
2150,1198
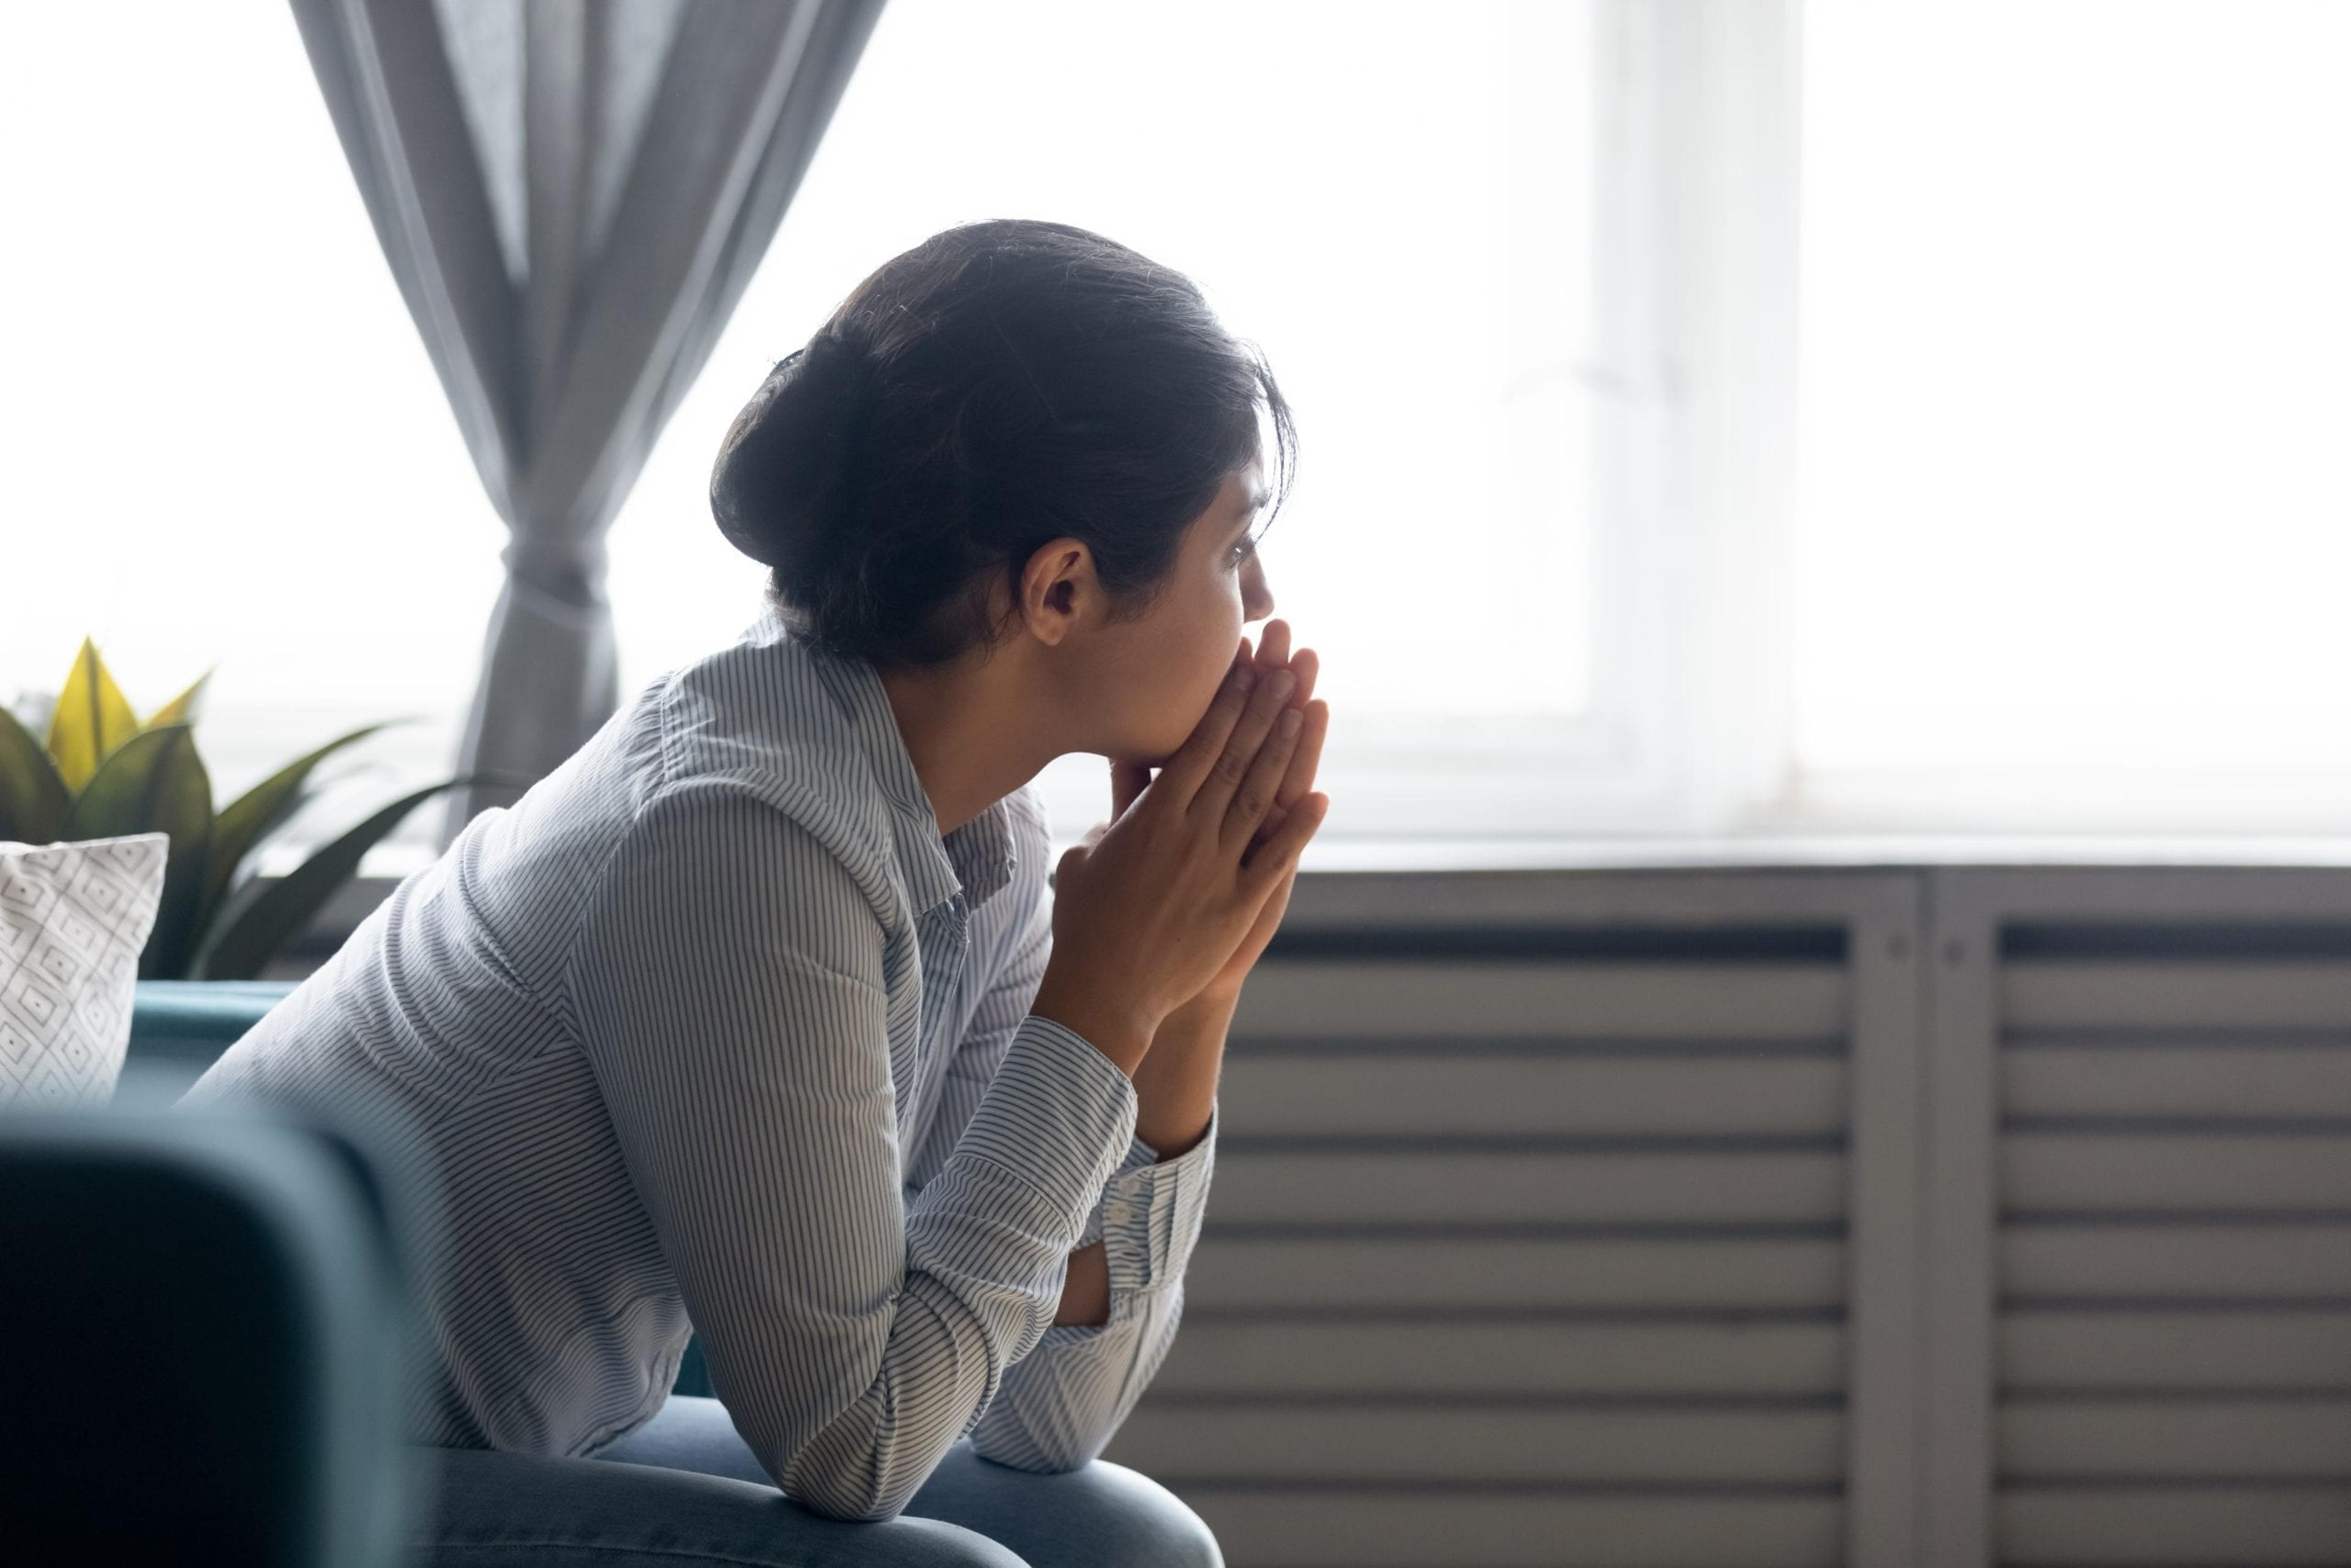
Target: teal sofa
179,1028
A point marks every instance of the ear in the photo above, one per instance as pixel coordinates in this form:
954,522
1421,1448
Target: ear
1059,589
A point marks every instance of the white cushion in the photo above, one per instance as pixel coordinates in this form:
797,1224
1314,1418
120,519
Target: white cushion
73,920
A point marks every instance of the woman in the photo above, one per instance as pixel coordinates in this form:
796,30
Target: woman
756,1019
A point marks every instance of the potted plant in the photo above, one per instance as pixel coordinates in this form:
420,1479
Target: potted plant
101,771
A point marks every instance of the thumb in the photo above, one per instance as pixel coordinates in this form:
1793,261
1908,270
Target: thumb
1128,780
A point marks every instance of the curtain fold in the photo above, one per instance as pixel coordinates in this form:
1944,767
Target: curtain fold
572,197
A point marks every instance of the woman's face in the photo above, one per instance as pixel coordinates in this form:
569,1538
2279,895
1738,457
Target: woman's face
1156,673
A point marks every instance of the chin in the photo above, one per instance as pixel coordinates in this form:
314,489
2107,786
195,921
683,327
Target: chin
1152,752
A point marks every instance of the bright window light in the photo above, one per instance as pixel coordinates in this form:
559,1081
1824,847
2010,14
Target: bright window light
227,445
224,443
2072,500
1398,214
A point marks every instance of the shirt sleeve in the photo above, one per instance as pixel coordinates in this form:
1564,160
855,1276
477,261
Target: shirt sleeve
729,988
1061,1404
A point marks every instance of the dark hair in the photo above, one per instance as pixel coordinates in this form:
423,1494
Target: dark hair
1001,384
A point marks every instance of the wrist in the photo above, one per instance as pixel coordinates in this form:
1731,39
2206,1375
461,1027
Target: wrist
1111,1025
1176,1087
1219,999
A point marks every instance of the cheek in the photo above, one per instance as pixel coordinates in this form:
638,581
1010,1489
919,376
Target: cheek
1192,653
1220,637
1217,632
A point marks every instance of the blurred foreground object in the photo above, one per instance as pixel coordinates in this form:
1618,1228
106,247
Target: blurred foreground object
211,1341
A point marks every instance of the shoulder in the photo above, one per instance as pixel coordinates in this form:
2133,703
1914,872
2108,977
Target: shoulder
758,723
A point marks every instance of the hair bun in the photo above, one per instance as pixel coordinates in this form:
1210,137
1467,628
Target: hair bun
780,487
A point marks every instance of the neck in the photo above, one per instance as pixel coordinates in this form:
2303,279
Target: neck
972,737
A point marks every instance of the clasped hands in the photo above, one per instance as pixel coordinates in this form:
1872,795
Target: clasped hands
1170,904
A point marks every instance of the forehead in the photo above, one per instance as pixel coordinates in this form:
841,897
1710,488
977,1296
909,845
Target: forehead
1244,490
1228,515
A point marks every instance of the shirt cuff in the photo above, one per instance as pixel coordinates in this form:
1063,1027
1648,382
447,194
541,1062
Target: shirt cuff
1056,1109
1150,1213
1140,1156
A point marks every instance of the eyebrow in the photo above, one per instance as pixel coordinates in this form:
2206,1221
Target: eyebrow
1253,502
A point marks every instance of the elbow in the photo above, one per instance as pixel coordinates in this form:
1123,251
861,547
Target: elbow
1040,1461
860,1484
856,1494
1048,1448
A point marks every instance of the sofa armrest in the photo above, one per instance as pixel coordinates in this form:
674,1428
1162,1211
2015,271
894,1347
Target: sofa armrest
179,1028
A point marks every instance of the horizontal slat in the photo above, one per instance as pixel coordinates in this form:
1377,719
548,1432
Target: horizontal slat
1462,1093
2175,994
1173,1444
1411,1529
2181,1081
1341,1275
2174,1170
2247,1527
2142,1439
1504,1358
2251,1262
1504,1188
1423,998
2243,1350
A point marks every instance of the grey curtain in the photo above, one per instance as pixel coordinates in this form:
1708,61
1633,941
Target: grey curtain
572,194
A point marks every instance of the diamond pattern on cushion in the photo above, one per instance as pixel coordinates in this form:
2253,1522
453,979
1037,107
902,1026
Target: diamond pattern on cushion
73,919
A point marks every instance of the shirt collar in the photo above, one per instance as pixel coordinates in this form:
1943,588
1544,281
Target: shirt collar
979,858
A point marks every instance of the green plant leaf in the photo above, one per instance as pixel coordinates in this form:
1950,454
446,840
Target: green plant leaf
252,816
155,783
247,939
91,719
181,709
33,798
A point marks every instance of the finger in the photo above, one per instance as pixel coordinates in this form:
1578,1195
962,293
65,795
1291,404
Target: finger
1248,736
1305,664
1277,902
1183,773
1255,797
1272,647
1308,757
1128,780
1278,856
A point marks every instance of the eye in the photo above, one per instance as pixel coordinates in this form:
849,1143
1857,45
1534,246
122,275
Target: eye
1243,550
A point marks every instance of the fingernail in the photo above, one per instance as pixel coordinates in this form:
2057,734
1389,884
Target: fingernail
1283,681
1289,722
1244,679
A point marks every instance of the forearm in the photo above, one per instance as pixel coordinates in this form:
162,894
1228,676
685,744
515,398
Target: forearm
1175,1084
1175,1093
985,1239
1061,1404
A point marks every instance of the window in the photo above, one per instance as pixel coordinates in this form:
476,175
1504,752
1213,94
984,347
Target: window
225,443
1405,217
1714,417
2074,520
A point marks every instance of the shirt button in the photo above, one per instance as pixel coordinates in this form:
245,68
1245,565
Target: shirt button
1118,1213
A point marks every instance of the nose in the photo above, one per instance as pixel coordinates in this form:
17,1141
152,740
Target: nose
1257,598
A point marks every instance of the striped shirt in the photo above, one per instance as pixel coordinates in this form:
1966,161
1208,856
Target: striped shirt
713,1028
